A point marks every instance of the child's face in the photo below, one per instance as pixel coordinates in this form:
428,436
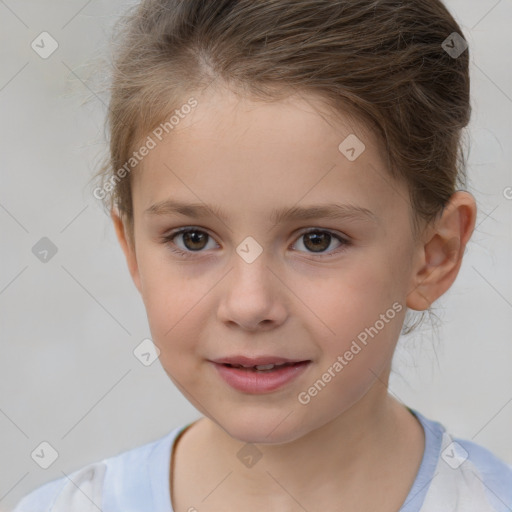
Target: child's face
303,298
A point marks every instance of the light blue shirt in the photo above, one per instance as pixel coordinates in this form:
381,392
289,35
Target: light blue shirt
455,475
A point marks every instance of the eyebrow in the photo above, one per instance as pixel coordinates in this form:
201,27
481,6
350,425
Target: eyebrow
327,211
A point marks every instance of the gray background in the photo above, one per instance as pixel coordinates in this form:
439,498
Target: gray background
69,326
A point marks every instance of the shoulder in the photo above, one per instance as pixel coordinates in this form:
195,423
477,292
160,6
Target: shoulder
80,490
496,474
467,474
90,487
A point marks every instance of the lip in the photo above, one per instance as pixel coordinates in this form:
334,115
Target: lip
260,382
254,361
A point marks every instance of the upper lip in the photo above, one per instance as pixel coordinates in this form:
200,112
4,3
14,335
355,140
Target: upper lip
256,361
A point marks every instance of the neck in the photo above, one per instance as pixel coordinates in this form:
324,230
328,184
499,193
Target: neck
358,447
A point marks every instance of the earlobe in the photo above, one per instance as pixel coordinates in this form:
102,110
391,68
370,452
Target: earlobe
441,256
127,247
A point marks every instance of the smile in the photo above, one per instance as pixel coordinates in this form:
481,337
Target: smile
260,378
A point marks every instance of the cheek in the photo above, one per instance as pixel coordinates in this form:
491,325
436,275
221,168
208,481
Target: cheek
357,315
177,309
168,298
355,356
351,298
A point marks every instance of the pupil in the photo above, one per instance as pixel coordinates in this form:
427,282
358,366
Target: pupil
320,241
194,237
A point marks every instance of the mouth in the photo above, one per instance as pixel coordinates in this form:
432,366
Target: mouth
264,367
242,360
260,375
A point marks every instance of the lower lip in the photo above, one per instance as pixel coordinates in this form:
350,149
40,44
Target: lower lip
253,381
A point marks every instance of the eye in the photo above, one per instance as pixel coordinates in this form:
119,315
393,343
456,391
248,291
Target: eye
317,240
194,240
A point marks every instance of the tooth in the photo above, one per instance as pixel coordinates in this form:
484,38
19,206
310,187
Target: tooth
264,366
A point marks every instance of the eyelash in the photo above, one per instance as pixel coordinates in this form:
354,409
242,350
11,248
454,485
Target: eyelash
167,239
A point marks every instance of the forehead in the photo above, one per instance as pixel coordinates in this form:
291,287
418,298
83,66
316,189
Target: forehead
230,147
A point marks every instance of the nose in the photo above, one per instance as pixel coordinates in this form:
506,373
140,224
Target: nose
253,297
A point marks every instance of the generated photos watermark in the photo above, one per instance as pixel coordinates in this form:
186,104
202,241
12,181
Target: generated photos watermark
304,397
150,143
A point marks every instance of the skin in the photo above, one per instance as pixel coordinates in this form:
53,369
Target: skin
249,157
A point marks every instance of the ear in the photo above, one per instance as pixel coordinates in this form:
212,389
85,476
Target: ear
128,247
441,250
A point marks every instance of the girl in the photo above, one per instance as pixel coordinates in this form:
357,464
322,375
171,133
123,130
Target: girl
283,182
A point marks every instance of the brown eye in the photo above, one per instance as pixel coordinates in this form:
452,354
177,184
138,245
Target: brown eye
192,240
195,240
317,241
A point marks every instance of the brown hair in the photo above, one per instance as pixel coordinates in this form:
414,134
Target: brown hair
380,60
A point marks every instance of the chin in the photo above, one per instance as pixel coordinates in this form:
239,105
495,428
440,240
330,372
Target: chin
261,429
